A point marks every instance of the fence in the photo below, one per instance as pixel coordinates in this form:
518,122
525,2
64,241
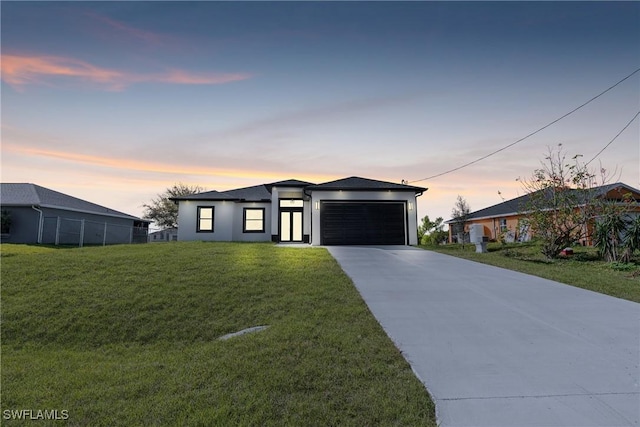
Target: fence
70,231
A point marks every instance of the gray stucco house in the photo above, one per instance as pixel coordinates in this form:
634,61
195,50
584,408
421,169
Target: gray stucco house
349,211
40,215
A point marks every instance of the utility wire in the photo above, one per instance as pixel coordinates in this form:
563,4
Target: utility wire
531,134
614,138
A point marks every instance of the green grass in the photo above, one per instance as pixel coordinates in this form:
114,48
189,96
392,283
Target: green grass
127,335
583,269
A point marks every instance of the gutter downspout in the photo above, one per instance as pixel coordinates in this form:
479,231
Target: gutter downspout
415,200
40,224
311,208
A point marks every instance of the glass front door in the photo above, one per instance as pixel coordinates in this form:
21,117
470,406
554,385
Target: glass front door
291,226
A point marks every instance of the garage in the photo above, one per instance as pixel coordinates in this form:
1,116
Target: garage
362,223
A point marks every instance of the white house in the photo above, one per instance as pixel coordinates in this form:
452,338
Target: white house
349,211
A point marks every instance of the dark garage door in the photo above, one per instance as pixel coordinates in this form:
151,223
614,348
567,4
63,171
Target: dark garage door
362,223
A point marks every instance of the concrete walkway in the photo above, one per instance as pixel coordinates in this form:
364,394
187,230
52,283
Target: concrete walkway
501,348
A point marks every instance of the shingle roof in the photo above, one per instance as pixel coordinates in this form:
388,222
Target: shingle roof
364,184
21,194
517,205
257,193
509,207
290,183
207,195
262,193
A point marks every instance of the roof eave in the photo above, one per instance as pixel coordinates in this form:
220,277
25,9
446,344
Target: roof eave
113,215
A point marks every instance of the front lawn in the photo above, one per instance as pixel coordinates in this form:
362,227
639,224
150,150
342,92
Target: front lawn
127,335
583,269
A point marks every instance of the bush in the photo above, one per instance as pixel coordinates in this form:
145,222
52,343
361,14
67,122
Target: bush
6,222
622,266
617,238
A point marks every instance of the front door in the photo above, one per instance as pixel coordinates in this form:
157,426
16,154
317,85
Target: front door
291,220
291,225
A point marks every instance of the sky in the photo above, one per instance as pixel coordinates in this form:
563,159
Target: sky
113,102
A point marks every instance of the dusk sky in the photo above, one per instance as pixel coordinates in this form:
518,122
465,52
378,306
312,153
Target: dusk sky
113,102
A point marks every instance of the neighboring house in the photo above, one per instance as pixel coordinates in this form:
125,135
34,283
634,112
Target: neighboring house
504,219
40,215
349,211
167,235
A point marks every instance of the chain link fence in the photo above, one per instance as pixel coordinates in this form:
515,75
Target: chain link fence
80,232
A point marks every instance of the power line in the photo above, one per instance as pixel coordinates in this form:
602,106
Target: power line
531,134
614,138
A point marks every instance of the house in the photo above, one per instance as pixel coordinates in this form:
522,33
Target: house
166,235
504,220
35,214
349,211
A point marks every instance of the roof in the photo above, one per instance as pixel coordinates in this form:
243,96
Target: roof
365,184
21,194
290,183
207,195
257,193
262,193
517,205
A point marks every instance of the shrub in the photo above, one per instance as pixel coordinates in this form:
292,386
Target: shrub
6,222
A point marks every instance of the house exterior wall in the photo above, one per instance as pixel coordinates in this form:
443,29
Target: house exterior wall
223,220
24,225
278,193
493,229
228,221
67,225
391,196
119,230
167,235
238,224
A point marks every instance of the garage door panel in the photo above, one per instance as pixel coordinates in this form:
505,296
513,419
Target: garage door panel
362,223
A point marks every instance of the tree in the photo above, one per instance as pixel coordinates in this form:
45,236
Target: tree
6,221
424,227
164,212
431,232
616,233
460,215
562,201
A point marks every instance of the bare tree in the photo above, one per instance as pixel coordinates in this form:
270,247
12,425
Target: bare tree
563,201
164,212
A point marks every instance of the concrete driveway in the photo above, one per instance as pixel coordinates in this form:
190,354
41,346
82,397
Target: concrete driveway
501,348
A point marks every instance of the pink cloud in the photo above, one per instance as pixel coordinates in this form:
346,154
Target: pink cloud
188,78
22,70
18,71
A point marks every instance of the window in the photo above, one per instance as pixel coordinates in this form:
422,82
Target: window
291,203
503,225
253,220
205,219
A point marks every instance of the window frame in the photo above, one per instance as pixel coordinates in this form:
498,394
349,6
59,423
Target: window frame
244,220
199,218
503,228
291,203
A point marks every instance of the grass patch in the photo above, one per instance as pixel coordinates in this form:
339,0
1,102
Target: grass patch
127,335
583,269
